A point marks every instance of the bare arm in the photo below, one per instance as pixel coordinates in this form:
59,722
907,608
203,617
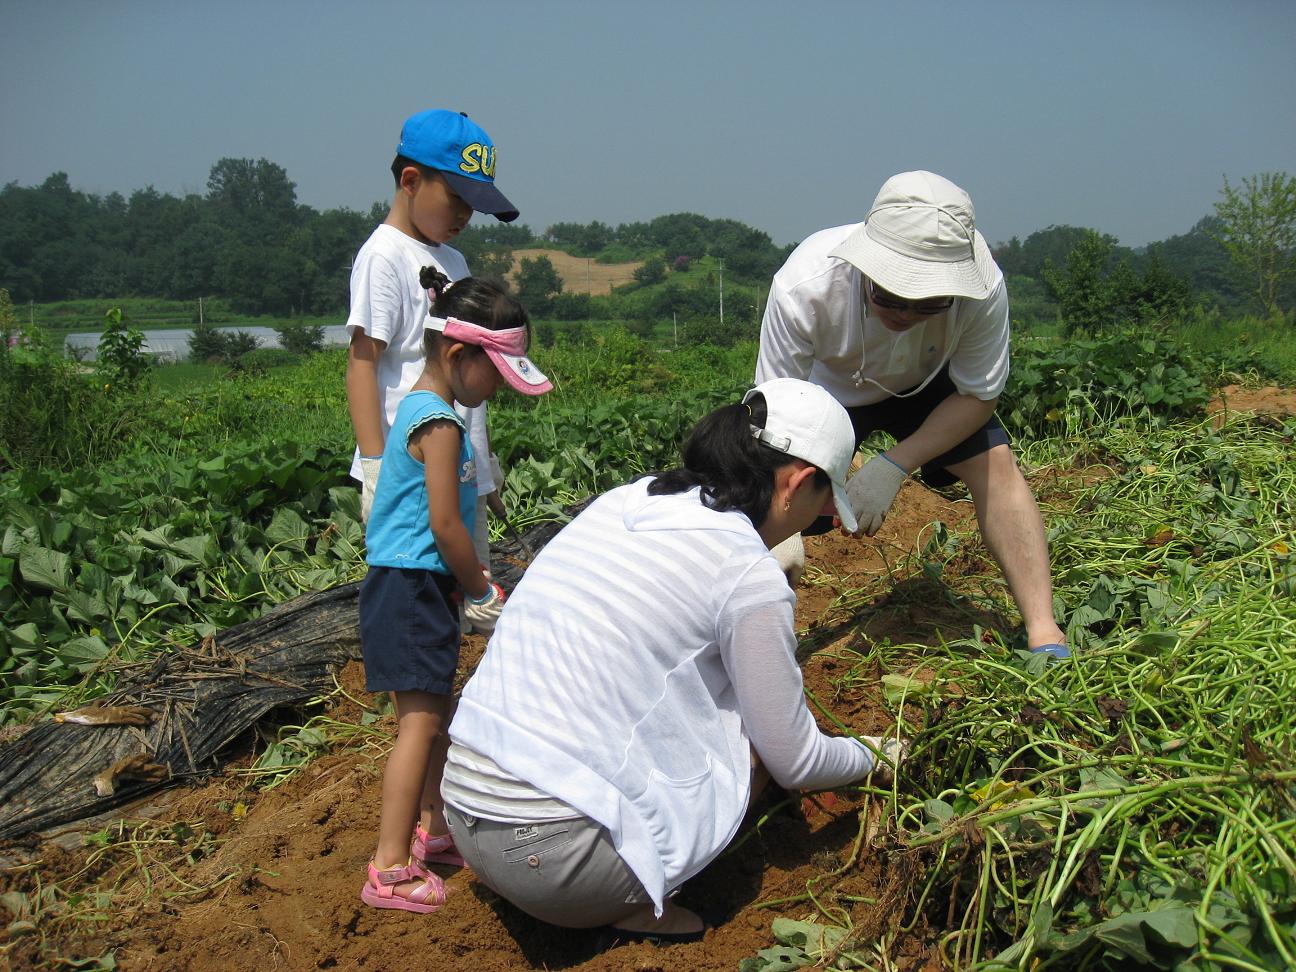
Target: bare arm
362,392
950,422
437,445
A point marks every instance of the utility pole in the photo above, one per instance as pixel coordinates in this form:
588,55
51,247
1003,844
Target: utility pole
675,327
722,292
200,312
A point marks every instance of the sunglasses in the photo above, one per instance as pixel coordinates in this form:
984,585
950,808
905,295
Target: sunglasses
923,308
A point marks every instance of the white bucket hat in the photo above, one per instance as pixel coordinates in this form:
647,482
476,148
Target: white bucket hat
805,421
920,240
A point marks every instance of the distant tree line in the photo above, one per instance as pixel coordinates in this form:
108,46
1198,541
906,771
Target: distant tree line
248,240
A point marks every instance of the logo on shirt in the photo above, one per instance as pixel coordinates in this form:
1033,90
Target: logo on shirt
468,472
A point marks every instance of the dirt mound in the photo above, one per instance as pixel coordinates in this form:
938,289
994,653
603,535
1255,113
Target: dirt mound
1279,402
228,878
580,275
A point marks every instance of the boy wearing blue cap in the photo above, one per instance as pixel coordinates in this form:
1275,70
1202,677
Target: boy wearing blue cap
444,171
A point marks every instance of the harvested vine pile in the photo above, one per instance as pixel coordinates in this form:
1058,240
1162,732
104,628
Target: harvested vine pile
170,718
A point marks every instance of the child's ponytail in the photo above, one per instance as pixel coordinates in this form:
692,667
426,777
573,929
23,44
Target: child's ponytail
434,281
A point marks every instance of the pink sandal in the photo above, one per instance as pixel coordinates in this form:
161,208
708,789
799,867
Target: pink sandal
380,890
428,850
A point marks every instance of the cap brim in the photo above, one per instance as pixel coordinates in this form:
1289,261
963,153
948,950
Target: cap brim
910,277
482,196
520,372
844,511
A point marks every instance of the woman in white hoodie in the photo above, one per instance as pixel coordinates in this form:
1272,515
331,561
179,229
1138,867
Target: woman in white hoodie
603,751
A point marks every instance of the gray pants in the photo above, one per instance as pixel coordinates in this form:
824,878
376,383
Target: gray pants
564,872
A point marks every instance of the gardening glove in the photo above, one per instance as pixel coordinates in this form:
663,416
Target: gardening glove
790,555
482,614
369,468
888,753
873,489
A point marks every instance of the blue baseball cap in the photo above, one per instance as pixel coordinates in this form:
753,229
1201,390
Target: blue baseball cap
462,152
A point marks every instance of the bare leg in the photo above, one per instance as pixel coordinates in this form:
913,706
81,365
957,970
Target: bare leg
422,720
431,807
1013,531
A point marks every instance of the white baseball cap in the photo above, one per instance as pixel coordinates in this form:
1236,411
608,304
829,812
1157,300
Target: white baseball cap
805,421
920,240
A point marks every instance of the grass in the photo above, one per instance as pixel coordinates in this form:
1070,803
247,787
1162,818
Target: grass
1259,349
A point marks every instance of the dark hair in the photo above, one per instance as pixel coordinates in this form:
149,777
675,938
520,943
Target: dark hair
734,469
403,162
471,299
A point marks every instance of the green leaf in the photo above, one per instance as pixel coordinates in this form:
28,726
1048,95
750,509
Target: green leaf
26,635
1084,615
938,811
202,549
815,939
288,528
85,606
42,567
898,687
1143,936
779,958
83,652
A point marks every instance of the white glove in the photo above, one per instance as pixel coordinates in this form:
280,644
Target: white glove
483,614
888,753
790,555
369,468
873,489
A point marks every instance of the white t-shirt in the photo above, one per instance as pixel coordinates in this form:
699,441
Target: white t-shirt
390,305
475,422
646,650
817,327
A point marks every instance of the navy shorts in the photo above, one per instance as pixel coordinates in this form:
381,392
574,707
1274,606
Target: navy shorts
901,417
409,630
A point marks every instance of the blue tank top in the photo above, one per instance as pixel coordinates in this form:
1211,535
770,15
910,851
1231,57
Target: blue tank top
398,534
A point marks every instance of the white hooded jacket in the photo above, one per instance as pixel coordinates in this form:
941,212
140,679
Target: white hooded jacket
649,646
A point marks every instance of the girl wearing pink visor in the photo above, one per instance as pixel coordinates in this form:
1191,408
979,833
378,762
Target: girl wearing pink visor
422,561
506,348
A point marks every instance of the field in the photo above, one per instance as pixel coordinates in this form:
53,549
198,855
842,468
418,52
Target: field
581,274
1132,807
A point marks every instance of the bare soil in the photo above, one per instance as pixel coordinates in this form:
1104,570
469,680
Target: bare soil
580,275
271,880
225,877
1278,402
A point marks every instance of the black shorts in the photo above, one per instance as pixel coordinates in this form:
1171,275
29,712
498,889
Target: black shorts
409,630
901,417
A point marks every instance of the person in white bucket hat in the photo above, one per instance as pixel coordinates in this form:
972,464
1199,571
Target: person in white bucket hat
661,602
904,319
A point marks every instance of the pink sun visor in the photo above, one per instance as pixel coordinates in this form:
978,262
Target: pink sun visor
505,348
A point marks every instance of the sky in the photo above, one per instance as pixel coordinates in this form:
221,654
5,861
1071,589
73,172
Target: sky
787,116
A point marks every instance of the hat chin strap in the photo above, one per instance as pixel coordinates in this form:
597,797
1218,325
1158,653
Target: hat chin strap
860,379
